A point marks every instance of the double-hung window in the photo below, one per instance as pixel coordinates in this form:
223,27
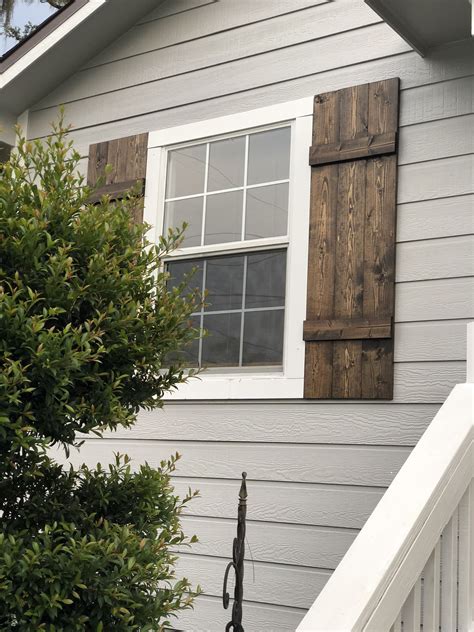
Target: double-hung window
234,191
238,190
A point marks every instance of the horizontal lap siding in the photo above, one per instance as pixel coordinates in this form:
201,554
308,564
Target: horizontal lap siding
416,78
208,615
295,422
427,219
373,466
281,65
302,545
286,585
331,506
316,470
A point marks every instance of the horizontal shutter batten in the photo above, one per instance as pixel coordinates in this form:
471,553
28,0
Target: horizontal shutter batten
118,190
346,329
353,149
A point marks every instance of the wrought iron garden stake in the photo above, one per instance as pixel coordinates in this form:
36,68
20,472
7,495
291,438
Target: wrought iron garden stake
238,552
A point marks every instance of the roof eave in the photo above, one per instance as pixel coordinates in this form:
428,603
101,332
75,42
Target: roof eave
45,38
411,24
397,23
60,49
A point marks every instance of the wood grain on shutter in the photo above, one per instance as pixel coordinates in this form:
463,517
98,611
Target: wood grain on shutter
127,157
351,268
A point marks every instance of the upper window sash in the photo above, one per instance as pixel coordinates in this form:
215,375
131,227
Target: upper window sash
255,166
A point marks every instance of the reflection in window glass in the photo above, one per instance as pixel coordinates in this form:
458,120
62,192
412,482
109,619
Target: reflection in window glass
269,156
224,283
221,345
190,271
191,351
267,211
223,218
189,211
186,169
266,278
226,164
189,354
263,338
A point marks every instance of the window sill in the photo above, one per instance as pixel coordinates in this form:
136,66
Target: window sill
239,386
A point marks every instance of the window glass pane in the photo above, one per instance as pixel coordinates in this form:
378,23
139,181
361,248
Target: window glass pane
191,351
266,278
180,269
266,211
185,174
263,338
226,164
269,156
221,345
189,211
189,354
224,283
223,217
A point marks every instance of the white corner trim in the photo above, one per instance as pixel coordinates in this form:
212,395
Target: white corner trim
53,38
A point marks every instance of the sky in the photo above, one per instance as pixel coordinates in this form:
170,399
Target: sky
32,11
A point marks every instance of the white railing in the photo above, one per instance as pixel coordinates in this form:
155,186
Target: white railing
411,568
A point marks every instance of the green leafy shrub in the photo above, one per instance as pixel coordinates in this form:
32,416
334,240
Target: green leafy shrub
86,324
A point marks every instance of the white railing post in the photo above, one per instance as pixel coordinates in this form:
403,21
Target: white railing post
470,354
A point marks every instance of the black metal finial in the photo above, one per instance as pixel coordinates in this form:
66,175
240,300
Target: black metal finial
238,553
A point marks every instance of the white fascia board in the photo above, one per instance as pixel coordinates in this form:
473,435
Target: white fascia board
48,42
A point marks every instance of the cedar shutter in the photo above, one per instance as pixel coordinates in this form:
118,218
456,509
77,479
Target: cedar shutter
128,159
351,268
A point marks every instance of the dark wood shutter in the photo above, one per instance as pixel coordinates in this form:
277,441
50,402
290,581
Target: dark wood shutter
351,269
127,156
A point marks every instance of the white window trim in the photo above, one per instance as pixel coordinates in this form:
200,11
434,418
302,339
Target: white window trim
228,384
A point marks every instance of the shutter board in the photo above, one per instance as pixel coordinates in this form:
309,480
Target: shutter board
351,267
127,157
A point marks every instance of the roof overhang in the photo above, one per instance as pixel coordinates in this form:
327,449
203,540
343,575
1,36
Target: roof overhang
426,24
59,48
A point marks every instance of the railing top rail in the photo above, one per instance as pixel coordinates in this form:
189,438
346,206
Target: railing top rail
438,469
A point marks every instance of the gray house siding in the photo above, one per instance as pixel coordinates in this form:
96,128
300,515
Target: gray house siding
316,470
